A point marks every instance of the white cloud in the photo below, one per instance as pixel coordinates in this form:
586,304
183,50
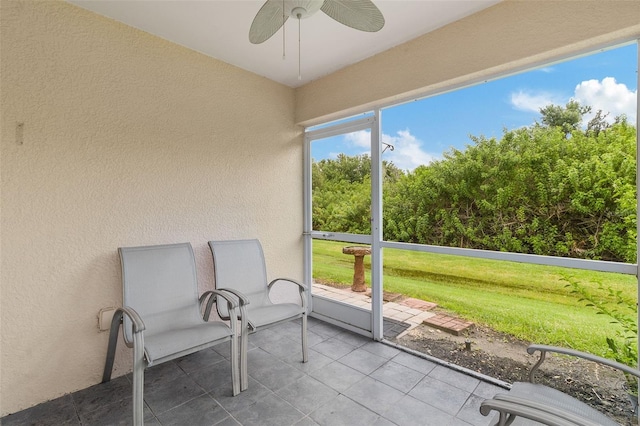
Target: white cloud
530,101
609,96
360,139
407,151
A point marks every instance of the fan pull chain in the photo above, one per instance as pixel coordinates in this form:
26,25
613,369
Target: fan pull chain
283,38
299,50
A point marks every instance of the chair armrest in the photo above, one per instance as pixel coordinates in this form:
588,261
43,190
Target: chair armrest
243,302
137,323
543,349
242,299
510,408
301,286
211,296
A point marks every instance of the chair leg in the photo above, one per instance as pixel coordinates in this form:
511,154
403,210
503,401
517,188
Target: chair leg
111,348
138,380
244,370
305,349
235,380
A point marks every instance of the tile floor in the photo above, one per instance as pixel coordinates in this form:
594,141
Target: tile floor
349,380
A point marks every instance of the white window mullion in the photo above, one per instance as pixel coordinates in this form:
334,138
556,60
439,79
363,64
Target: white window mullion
376,229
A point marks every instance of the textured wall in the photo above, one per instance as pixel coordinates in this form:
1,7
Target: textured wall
127,140
511,35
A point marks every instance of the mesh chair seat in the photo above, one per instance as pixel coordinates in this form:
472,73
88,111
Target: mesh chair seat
267,315
178,342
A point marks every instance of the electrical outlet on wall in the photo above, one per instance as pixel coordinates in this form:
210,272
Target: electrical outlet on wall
104,318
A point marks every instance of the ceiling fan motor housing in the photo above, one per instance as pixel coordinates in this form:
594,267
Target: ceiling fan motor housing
301,9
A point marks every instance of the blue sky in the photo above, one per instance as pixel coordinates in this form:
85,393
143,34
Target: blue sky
422,130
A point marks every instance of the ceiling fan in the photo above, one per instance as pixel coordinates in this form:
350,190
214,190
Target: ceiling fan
361,15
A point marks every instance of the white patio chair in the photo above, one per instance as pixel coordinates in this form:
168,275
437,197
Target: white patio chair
239,268
542,404
161,316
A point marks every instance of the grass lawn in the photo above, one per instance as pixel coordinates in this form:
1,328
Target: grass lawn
530,302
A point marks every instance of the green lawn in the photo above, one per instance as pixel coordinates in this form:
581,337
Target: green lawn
530,302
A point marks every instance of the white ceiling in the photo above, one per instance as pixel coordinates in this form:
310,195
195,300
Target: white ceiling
220,28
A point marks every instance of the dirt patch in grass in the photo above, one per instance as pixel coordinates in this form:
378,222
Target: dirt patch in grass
505,358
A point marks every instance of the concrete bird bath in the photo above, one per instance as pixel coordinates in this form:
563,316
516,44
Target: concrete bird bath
358,267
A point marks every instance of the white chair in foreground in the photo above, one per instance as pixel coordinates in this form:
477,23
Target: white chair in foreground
239,268
161,314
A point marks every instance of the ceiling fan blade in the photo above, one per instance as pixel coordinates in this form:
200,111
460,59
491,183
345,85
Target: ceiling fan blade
268,20
362,15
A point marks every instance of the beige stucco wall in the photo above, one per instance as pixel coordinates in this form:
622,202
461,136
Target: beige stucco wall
512,35
127,140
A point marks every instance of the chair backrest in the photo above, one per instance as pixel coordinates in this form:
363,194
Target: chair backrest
160,283
239,264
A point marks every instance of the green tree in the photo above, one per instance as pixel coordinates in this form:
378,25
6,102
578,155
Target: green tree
532,191
550,189
568,118
342,193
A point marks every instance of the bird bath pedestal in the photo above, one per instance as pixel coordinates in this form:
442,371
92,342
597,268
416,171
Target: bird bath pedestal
358,267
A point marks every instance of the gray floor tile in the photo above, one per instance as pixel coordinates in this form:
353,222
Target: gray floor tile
487,390
354,339
223,349
270,371
314,321
151,421
263,336
383,422
314,338
324,329
409,411
170,394
316,360
307,394
454,378
233,404
470,412
457,422
306,421
397,376
373,395
446,397
419,364
54,412
338,376
160,373
202,410
282,390
291,330
215,378
118,413
269,411
94,397
381,349
283,347
198,360
334,348
228,421
363,361
342,411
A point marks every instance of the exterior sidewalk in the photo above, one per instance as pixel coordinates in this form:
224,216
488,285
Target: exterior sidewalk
407,310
